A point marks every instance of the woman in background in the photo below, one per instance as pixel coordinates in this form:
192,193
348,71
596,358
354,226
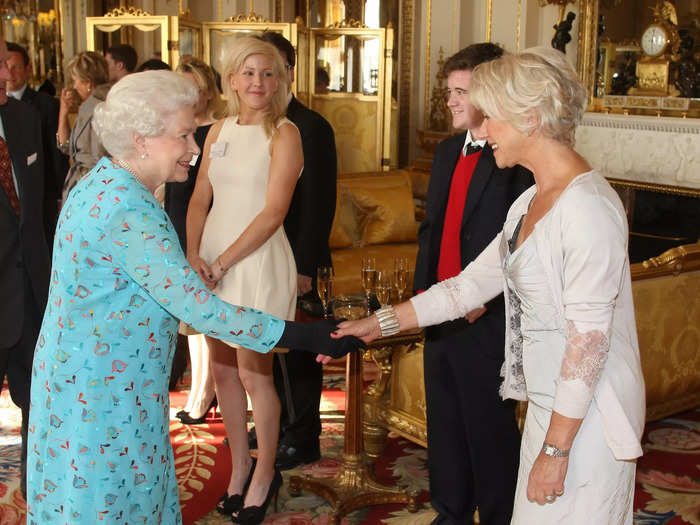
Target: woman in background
210,107
90,77
561,261
251,164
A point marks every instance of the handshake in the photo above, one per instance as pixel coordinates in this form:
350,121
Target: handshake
316,338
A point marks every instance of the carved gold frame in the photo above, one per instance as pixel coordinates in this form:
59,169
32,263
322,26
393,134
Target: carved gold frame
251,22
132,17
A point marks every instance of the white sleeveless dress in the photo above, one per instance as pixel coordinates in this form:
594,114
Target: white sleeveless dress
267,278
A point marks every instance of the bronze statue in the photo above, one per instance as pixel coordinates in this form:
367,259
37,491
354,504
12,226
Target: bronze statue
562,30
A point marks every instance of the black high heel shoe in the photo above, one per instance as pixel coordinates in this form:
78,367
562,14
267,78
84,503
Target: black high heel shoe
256,515
234,503
186,419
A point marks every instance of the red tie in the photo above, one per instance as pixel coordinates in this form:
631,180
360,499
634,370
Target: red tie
6,181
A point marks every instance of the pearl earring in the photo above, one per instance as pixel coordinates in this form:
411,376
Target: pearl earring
144,155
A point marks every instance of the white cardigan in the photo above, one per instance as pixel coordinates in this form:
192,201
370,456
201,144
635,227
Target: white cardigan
582,245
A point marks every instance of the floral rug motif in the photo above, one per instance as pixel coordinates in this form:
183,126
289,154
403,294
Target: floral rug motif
667,484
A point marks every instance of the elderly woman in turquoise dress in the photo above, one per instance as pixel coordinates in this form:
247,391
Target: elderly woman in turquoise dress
99,446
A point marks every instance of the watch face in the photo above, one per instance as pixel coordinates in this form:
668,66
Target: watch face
654,40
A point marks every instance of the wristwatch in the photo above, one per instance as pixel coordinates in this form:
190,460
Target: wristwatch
554,452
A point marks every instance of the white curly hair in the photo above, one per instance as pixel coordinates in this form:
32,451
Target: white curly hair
140,103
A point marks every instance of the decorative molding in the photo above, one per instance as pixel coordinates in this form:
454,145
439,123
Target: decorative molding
642,149
684,258
642,123
426,101
251,17
127,11
406,47
348,22
517,29
489,20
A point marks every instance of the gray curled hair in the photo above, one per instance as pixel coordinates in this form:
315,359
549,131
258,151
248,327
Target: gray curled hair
140,103
539,79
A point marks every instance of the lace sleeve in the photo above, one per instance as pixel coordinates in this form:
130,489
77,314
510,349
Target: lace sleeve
595,253
146,247
479,282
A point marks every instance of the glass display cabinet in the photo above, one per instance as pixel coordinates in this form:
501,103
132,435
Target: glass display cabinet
162,36
218,35
350,72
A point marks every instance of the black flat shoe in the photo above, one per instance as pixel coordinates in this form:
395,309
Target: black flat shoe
234,503
256,514
179,413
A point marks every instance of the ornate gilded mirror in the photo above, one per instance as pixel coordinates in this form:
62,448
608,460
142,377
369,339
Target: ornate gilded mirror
35,25
641,56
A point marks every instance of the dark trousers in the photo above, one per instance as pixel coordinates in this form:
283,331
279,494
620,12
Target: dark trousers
300,397
473,438
16,365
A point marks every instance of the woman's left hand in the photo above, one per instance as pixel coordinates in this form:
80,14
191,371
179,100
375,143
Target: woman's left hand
546,480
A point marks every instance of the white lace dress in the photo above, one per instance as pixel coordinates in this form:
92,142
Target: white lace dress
598,489
571,344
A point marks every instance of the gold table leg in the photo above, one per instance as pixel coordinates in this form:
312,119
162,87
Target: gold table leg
354,486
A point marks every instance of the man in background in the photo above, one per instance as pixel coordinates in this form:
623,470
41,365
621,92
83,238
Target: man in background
24,255
299,380
121,60
473,439
55,162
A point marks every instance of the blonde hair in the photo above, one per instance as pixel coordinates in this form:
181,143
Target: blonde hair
88,66
242,48
539,79
206,82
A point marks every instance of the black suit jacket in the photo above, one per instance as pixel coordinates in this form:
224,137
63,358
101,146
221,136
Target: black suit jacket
23,248
491,192
55,162
310,216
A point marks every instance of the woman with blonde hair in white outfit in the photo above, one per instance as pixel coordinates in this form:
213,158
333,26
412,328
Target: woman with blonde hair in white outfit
561,261
250,166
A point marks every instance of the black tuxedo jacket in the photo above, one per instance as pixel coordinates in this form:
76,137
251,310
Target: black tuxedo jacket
310,216
491,192
23,248
55,162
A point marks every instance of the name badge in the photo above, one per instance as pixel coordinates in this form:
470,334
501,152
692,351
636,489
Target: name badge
31,159
218,149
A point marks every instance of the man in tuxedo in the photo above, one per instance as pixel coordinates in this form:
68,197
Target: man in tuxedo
299,379
121,60
55,162
473,439
24,256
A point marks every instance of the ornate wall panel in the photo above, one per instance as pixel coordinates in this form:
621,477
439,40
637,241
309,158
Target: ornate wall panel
643,149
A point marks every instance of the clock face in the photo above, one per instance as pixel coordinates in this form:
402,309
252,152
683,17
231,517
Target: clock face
654,40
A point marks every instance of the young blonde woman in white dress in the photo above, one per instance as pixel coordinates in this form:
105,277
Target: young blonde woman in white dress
251,164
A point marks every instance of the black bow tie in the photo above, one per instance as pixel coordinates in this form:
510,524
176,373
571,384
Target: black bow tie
472,148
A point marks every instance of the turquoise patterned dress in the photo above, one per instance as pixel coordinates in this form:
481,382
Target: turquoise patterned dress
99,448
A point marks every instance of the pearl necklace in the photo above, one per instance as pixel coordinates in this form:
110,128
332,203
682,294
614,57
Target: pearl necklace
124,164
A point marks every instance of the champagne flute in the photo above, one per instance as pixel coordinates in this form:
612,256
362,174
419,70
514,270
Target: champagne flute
324,287
369,276
400,275
383,287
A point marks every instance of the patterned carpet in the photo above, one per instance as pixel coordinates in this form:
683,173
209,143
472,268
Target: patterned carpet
668,475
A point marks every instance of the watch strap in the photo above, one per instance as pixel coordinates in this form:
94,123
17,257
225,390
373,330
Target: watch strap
554,452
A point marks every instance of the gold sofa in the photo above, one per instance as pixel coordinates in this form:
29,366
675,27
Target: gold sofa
374,216
667,307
